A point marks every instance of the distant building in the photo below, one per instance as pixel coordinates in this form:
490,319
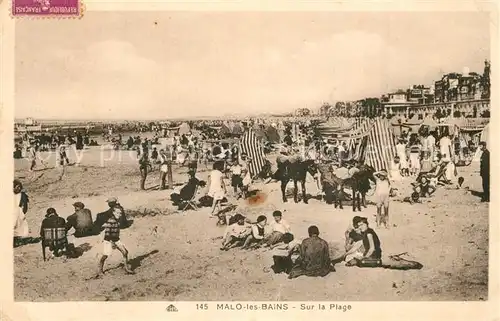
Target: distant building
458,87
420,94
399,97
396,104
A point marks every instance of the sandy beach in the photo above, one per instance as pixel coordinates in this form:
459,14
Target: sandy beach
177,257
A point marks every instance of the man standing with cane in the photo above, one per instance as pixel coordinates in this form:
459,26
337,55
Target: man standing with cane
166,168
485,172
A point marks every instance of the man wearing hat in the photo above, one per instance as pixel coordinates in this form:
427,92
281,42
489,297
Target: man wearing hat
81,220
485,171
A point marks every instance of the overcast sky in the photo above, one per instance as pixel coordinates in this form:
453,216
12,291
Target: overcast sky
149,65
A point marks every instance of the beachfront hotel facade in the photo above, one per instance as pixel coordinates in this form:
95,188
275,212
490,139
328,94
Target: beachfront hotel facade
474,108
464,94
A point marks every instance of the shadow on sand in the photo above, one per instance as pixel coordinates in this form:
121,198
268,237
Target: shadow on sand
135,262
80,249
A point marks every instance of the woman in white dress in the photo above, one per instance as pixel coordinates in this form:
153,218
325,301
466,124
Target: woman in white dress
216,186
21,229
395,170
181,155
403,162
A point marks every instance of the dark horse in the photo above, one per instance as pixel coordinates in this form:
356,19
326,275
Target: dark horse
359,183
296,169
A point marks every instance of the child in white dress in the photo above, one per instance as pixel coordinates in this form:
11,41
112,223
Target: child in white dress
395,171
217,188
382,194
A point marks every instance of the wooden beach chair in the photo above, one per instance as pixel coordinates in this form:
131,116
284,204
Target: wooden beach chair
192,202
55,239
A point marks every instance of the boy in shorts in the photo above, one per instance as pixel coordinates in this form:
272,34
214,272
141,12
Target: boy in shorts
110,221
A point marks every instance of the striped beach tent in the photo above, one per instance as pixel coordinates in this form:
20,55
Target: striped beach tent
380,146
251,146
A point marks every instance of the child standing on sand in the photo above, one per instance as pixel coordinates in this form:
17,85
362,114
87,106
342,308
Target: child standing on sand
110,221
382,194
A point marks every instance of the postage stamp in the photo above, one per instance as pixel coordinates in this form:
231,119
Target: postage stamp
47,8
174,162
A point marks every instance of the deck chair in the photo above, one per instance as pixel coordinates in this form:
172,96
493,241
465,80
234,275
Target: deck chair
55,239
192,202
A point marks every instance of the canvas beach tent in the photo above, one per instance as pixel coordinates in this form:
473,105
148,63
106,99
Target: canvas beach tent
380,147
369,141
250,145
184,129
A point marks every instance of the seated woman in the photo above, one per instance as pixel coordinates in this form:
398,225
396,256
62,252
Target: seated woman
256,238
285,254
236,233
353,244
371,243
187,191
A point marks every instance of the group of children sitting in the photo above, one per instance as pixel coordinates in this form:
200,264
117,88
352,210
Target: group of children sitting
362,247
240,231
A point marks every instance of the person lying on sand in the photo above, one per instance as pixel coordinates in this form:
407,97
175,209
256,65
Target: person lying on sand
110,221
236,232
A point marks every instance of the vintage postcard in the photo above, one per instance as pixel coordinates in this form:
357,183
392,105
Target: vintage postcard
252,161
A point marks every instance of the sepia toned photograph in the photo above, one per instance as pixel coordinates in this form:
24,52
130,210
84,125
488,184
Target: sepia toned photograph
252,156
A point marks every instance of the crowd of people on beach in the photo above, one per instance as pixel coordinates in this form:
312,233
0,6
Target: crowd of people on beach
425,156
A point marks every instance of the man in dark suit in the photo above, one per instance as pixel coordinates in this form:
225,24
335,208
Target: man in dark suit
485,172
